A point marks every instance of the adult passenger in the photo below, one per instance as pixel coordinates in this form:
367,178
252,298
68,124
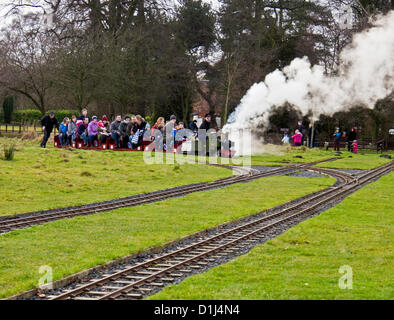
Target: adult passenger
160,120
104,130
93,131
193,126
206,124
115,133
124,134
83,131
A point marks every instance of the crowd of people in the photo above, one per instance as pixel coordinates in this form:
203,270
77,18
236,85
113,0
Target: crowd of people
130,132
126,133
301,133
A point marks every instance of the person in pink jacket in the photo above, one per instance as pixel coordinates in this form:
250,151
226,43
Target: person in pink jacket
297,137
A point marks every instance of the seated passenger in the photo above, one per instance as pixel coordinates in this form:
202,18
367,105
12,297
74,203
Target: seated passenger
158,137
160,120
83,131
63,131
193,126
115,133
124,135
182,133
72,130
93,131
137,132
104,129
206,124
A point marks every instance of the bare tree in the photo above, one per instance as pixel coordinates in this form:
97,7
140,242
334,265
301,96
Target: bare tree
28,59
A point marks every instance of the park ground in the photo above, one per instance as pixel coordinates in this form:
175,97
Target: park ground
38,179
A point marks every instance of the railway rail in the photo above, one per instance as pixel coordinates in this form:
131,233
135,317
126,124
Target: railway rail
136,280
20,221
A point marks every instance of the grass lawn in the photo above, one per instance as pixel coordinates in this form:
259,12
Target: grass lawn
71,245
39,179
304,262
356,161
277,155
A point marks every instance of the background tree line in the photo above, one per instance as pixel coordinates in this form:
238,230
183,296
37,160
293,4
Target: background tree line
158,57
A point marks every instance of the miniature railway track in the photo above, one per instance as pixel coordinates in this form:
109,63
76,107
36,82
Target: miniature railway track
134,281
26,220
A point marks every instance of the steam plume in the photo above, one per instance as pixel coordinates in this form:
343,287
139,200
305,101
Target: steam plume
366,74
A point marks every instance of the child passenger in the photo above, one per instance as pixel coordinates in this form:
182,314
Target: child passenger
104,129
63,131
72,129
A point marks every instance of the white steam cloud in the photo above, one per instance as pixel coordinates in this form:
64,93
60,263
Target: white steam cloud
366,74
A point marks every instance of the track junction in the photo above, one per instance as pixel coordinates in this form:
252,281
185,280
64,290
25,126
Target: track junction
150,272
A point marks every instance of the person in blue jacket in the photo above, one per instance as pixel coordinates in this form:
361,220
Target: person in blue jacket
63,131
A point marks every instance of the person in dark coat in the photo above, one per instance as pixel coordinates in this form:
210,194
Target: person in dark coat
84,115
115,133
301,129
350,138
82,131
337,140
47,123
193,126
124,135
206,124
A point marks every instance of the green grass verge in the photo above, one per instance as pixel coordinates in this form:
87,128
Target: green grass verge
71,245
39,179
356,161
362,160
304,262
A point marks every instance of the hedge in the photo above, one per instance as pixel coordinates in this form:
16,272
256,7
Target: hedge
32,115
28,115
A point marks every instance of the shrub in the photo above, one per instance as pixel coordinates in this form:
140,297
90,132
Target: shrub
9,151
34,115
8,107
28,115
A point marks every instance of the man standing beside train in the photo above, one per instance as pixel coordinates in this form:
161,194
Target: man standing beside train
47,123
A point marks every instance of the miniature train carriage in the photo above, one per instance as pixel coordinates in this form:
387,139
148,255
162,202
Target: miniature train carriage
222,149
